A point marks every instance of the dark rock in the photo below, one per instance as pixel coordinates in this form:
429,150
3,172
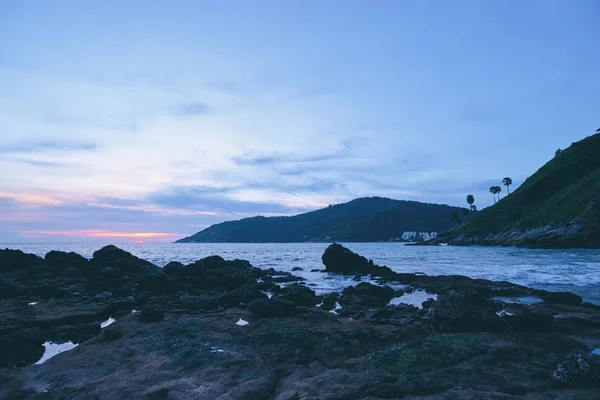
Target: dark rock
427,303
202,302
112,334
19,352
529,321
329,300
367,295
150,314
272,308
11,289
60,260
567,298
122,261
316,270
337,258
299,294
357,278
578,370
11,260
463,312
243,294
174,267
297,269
85,331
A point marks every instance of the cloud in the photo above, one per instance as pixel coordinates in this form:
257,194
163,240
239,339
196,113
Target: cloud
39,147
191,109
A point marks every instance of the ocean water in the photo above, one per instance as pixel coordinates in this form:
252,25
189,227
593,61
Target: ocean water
577,271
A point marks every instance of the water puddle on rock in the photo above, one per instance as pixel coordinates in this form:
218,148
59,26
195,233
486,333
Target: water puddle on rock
415,298
241,322
108,322
519,300
33,303
596,352
336,308
269,294
503,313
52,349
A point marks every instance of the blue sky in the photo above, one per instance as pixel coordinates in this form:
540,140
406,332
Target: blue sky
153,117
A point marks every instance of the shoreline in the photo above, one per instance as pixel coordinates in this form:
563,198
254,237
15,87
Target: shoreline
210,321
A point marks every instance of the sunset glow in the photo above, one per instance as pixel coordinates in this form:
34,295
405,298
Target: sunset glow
102,233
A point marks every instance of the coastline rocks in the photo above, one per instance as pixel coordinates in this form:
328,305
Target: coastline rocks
367,295
337,258
298,294
151,314
271,308
567,298
462,312
578,370
329,301
11,260
60,260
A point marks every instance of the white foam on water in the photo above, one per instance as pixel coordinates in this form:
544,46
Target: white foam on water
108,322
502,313
216,350
519,300
134,311
241,322
415,298
33,303
52,349
269,294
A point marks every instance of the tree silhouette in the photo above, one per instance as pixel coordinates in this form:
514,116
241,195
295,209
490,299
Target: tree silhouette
598,130
557,152
507,182
498,191
495,190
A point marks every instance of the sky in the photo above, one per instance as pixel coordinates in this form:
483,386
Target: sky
148,120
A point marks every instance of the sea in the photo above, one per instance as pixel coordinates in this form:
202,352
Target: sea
576,270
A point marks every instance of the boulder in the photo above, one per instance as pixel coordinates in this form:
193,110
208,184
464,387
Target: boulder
112,334
566,298
464,312
271,308
11,260
298,294
337,258
529,321
60,260
244,294
367,295
329,300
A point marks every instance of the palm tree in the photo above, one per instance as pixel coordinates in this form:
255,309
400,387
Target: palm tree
493,192
507,182
470,200
498,191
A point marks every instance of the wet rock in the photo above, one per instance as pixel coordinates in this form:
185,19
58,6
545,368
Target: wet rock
151,314
316,270
578,370
11,289
272,308
86,331
427,304
298,294
463,312
367,295
562,298
527,320
337,258
121,260
11,260
329,300
112,334
19,352
244,294
297,269
202,302
60,260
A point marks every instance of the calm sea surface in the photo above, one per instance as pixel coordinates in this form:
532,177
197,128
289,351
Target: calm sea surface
577,271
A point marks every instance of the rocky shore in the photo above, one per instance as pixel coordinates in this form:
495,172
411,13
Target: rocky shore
219,329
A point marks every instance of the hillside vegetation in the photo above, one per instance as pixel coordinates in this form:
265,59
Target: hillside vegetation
558,205
364,219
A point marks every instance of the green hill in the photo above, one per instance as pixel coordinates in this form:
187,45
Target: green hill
558,206
360,220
